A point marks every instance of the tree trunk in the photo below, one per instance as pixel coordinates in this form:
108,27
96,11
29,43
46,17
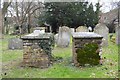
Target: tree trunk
20,28
29,25
7,29
3,27
54,29
29,28
4,11
6,26
0,24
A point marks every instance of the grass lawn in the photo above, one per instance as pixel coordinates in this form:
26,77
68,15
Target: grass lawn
11,68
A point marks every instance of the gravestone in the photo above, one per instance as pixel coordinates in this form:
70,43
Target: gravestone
56,37
117,34
63,37
90,29
82,29
72,30
15,43
38,30
102,30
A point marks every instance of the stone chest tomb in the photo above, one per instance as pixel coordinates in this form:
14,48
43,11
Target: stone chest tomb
37,49
86,48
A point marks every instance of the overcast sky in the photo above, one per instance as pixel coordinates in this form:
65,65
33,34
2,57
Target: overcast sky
105,3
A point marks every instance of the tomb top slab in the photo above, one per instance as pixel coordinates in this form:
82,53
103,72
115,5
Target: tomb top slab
86,35
37,36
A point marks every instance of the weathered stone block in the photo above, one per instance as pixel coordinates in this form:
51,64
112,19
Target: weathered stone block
15,43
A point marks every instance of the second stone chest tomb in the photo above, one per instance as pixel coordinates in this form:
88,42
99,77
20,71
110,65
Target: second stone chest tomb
86,48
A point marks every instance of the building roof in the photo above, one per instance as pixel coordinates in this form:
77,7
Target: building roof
109,17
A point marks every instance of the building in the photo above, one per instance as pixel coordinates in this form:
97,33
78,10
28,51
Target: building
109,18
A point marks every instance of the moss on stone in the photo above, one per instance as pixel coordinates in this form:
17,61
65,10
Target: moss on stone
88,55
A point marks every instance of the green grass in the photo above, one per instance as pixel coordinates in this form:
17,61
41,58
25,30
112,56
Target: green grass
63,69
8,55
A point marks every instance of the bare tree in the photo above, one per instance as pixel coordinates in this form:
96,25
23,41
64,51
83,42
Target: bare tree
23,11
3,11
114,5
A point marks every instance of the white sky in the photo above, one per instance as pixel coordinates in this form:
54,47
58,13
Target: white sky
105,3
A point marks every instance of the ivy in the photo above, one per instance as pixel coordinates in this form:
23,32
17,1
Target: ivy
88,54
47,45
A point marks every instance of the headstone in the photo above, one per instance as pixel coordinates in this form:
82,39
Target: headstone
102,30
56,38
15,43
117,34
90,29
82,29
38,30
63,37
72,30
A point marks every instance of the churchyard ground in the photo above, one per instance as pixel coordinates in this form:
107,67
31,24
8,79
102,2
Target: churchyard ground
11,64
